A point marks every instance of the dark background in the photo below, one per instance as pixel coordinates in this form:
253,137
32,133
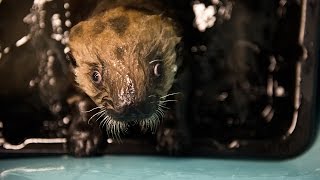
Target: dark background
231,73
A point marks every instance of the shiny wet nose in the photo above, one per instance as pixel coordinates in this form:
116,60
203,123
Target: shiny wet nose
133,111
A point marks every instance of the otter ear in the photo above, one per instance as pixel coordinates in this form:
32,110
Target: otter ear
71,59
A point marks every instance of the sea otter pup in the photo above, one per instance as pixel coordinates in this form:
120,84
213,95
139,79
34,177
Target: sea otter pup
125,59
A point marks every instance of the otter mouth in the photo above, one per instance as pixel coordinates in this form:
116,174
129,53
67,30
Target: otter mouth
130,118
133,113
146,115
117,125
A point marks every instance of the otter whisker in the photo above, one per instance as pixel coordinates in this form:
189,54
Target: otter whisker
151,123
110,129
160,112
100,112
115,128
171,94
143,125
124,128
163,106
107,121
108,126
119,128
99,107
157,112
155,124
168,100
157,121
158,118
103,122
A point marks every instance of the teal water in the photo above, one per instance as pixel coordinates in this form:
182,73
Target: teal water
306,166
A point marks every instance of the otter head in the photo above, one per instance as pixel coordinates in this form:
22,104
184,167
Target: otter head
125,60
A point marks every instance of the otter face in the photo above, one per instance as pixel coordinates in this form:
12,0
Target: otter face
125,60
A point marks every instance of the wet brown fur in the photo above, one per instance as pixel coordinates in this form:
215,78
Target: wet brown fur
120,42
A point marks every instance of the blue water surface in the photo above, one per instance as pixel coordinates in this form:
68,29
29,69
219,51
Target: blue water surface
306,166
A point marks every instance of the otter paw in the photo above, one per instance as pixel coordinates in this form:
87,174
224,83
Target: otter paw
172,141
84,143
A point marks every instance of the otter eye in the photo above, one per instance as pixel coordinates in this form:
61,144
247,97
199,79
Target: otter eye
156,66
96,77
157,70
71,59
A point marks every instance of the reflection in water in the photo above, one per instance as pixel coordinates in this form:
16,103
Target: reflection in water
25,170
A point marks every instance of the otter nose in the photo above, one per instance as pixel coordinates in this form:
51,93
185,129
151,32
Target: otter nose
134,111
